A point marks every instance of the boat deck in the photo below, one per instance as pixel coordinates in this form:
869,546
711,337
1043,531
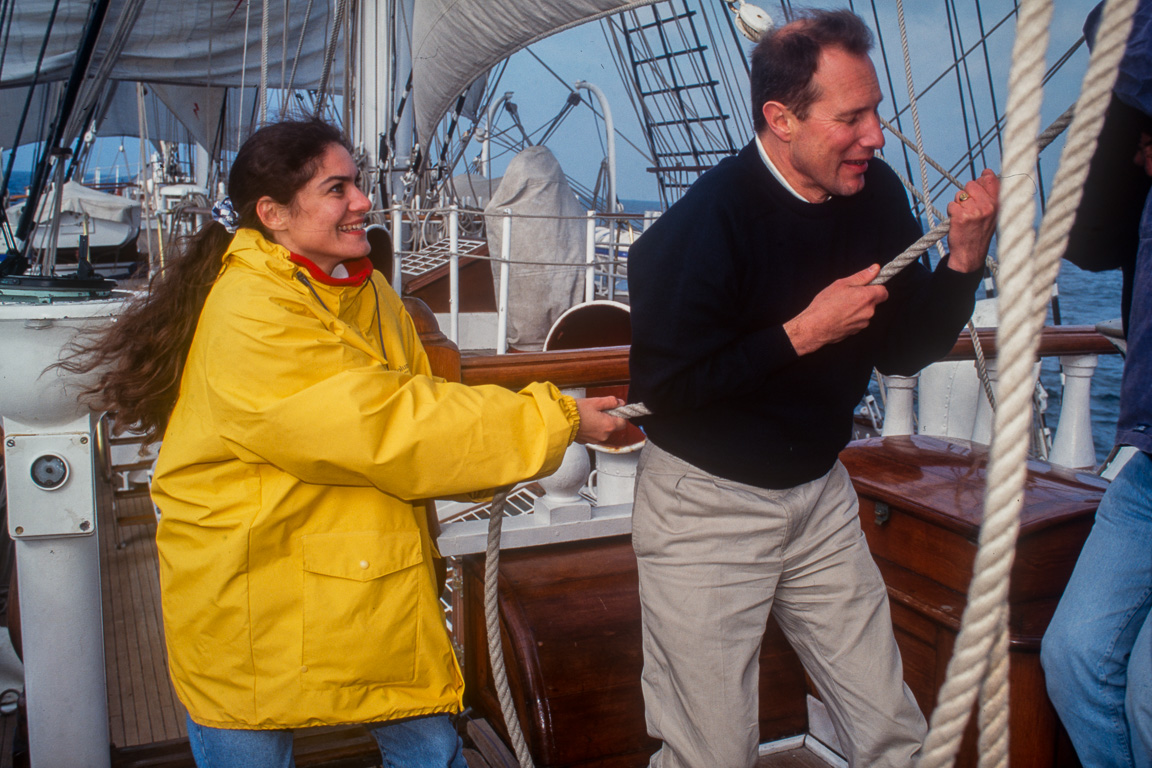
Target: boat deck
146,720
142,707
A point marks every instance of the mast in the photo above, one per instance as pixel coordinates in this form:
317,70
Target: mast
382,126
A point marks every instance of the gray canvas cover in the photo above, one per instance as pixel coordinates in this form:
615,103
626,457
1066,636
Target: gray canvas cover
535,186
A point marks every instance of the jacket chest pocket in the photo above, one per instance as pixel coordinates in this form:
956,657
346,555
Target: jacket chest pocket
361,608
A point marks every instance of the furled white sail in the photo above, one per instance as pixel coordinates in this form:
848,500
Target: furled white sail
456,41
206,42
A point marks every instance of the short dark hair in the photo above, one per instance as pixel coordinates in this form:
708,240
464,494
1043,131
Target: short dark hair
785,59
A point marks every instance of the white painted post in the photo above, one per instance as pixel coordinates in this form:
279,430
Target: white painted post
898,408
52,520
502,299
397,244
454,274
590,258
609,141
1073,446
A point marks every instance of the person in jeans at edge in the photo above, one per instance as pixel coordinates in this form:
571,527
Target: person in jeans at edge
1097,652
754,335
303,429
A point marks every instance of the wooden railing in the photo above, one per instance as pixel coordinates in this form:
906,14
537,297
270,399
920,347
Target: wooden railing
609,365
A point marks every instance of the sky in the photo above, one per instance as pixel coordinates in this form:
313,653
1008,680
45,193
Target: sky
582,54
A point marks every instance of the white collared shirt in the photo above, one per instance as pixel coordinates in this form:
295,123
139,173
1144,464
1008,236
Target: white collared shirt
779,176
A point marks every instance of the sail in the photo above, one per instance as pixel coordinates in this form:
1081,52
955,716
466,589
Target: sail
171,113
207,42
456,41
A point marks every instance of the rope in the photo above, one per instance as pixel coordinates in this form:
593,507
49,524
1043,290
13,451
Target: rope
912,103
936,233
979,660
492,623
263,88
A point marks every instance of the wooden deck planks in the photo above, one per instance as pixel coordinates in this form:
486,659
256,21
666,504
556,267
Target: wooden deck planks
142,707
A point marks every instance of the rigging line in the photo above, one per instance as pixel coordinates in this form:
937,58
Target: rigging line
243,73
954,36
891,85
92,28
723,58
960,60
95,85
262,91
572,100
31,93
299,44
988,69
738,43
909,143
956,63
532,53
915,113
7,17
1044,139
608,30
330,53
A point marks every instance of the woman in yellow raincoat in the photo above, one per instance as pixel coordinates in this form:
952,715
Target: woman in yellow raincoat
302,427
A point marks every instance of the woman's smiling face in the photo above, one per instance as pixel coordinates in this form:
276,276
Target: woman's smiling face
325,221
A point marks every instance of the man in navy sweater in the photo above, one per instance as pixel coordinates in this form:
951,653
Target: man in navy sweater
754,336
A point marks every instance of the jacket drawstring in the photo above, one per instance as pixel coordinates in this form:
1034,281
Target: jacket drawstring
379,328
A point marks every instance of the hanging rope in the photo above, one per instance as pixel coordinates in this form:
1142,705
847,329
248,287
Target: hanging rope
979,661
492,624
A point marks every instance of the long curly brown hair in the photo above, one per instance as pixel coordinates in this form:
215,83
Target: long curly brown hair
140,356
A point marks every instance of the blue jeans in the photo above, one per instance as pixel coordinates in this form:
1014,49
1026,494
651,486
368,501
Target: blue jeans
1097,653
421,742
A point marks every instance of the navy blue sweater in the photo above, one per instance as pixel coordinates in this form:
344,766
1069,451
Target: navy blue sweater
714,279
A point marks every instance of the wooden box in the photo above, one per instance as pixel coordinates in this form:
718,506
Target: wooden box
570,614
921,503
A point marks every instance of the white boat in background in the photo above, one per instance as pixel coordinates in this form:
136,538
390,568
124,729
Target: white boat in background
489,225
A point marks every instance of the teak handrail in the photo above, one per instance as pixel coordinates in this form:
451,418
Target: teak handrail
609,365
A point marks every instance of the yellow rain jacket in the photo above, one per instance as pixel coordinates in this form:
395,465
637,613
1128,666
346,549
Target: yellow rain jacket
296,572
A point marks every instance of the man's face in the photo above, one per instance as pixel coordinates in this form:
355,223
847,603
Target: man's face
830,148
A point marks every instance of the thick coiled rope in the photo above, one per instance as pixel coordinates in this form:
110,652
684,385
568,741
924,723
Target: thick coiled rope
1028,267
979,662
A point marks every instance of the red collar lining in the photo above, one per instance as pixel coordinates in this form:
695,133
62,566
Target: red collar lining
359,270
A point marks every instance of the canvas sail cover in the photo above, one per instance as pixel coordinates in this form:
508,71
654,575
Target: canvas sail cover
456,41
550,229
198,110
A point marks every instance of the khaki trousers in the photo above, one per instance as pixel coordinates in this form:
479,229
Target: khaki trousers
714,557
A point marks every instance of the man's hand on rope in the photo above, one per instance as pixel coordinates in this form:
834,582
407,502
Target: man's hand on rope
973,222
596,426
842,309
